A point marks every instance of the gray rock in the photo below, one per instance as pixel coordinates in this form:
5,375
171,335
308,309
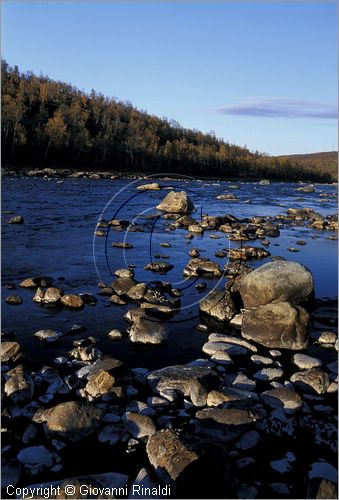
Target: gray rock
121,286
10,352
231,396
159,267
17,219
277,325
180,377
124,273
114,335
169,455
177,203
261,360
52,295
37,458
224,424
305,362
148,331
282,397
269,374
139,425
19,386
72,420
14,300
154,186
313,380
137,292
248,440
278,281
219,305
211,348
198,393
219,337
199,267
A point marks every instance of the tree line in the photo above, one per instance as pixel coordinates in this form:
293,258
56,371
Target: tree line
52,123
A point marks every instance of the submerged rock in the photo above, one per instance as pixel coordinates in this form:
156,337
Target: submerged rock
18,219
277,326
48,336
278,281
14,300
177,203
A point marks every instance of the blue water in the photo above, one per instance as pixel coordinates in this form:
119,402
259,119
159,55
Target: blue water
57,240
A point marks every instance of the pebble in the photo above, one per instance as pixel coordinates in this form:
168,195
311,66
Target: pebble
261,360
269,374
305,362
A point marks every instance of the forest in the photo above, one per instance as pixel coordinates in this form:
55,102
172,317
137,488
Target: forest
52,123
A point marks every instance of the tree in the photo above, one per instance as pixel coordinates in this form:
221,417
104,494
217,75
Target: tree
55,131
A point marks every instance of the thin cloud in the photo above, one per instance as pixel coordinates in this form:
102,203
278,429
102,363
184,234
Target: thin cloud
282,108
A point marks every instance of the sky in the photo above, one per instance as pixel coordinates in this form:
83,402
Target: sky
260,74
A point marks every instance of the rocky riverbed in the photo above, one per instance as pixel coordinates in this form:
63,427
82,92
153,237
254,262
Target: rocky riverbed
201,358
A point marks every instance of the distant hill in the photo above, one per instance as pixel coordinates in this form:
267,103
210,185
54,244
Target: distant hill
324,162
53,124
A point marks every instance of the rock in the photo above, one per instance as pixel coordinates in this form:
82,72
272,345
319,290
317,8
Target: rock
37,458
248,440
264,182
197,267
115,299
261,360
311,381
306,189
158,310
305,362
154,186
18,219
236,321
100,383
121,286
220,337
137,292
323,470
72,301
181,377
169,455
141,485
85,353
327,338
177,203
139,425
224,424
52,295
227,197
195,228
124,273
198,393
112,365
240,381
123,244
10,352
231,396
222,358
48,336
159,267
14,300
211,348
72,420
219,305
10,473
269,374
248,253
88,298
114,334
148,331
278,281
277,326
19,386
326,490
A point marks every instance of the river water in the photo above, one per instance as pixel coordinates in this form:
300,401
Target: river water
56,240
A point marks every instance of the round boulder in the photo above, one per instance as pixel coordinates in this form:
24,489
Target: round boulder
176,203
278,281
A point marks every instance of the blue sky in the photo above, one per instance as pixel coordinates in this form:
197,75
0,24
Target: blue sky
259,74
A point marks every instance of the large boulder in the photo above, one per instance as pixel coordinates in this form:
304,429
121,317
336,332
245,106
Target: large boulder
278,326
278,281
72,420
177,202
219,305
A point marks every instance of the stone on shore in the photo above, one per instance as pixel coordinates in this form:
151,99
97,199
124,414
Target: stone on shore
14,300
139,425
10,352
72,420
278,281
313,381
148,331
169,455
177,203
100,383
19,386
277,326
72,301
197,267
282,397
48,336
224,424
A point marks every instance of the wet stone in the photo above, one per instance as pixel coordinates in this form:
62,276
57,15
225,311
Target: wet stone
282,397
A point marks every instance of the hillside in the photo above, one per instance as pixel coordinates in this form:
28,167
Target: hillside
325,161
51,123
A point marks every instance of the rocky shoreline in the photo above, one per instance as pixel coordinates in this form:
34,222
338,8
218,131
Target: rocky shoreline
254,417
